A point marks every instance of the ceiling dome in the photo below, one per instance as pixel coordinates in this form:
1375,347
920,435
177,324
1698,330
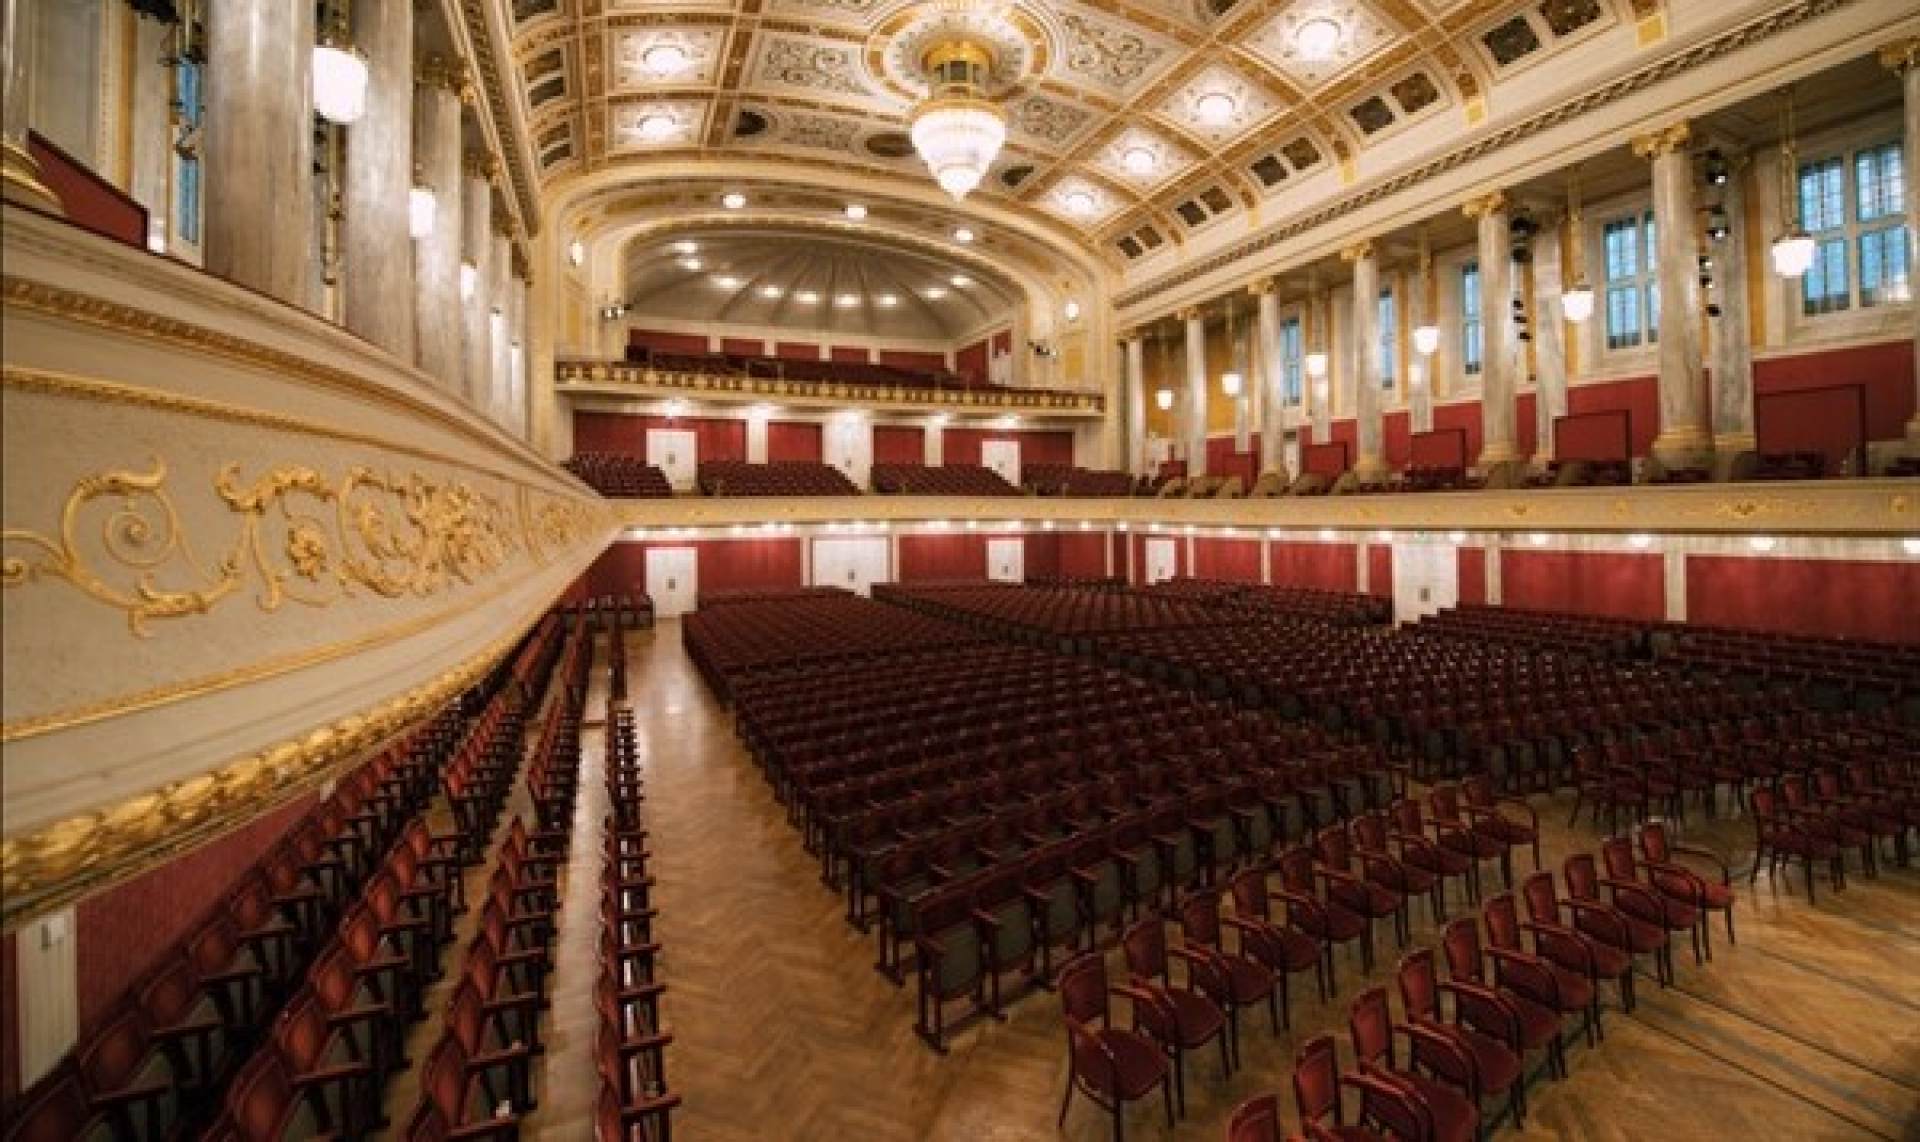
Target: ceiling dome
811,283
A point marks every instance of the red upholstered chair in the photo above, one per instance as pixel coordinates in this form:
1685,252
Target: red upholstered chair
1372,835
1108,1064
1537,975
1607,923
633,1074
1248,980
1710,891
1477,841
1781,835
1284,948
127,1080
1364,896
1256,1120
1180,1019
1484,1024
340,1090
1539,1023
1316,1092
455,1104
57,1110
264,1106
1520,826
1450,1114
1608,958
1418,850
1325,921
1639,899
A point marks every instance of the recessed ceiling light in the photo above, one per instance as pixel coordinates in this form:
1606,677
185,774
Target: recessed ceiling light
807,297
666,59
656,128
733,200
1214,108
960,281
727,281
1139,160
935,293
686,247
770,292
1317,39
691,265
1081,202
887,301
856,211
847,300
962,234
1072,310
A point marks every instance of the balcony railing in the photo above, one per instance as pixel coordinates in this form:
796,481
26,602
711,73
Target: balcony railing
614,377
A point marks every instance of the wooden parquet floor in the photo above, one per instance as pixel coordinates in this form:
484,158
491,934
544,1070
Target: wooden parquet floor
1808,1030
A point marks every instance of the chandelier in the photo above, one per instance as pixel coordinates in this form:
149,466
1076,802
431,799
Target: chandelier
958,131
339,74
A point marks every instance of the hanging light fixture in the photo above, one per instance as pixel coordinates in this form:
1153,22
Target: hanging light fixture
1793,250
339,73
421,207
958,131
1576,303
1426,335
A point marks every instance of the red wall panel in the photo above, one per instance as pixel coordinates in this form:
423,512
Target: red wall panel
962,445
1396,438
1603,435
1526,429
911,359
1042,554
1465,417
1473,575
1003,341
1222,460
1380,570
855,353
1328,566
971,362
660,341
1585,583
899,444
1234,559
1441,448
1885,369
1639,396
1854,599
743,346
1346,432
722,565
932,557
1329,459
716,439
1083,555
1831,421
119,933
790,440
86,199
796,351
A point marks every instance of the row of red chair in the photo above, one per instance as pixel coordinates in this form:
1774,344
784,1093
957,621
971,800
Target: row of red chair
778,478
940,480
619,474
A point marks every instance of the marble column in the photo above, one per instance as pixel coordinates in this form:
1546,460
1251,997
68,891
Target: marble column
1496,324
1320,389
1370,462
1420,365
258,143
1684,440
522,292
1731,334
1272,381
499,295
1136,356
438,315
1193,427
379,174
20,180
1549,343
1903,58
476,250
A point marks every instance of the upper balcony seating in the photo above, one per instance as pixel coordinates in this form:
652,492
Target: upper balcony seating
1070,480
1790,466
781,478
619,474
944,480
840,372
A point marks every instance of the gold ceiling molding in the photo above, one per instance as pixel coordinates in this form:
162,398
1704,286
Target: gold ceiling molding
605,376
54,865
499,108
1766,27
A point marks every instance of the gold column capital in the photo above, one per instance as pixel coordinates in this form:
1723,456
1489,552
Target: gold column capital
1485,204
435,70
1190,313
478,164
1264,287
1362,249
1664,141
1133,333
1901,56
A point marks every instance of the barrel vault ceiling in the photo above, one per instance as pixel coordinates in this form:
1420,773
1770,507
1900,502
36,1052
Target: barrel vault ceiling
1118,137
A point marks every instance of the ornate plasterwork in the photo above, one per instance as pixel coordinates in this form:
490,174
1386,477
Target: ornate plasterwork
1117,58
631,45
1170,160
601,378
1187,106
1055,122
808,65
639,125
1363,33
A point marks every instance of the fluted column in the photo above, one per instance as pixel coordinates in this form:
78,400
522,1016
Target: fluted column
1903,59
518,335
1319,388
1549,343
1496,325
1420,365
379,173
20,180
438,316
1272,378
1731,334
1370,462
476,250
258,142
1136,355
1194,428
499,293
1684,441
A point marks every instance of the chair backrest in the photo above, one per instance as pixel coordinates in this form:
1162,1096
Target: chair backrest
1255,1120
1083,988
302,1031
1370,832
1419,985
1543,901
1370,1022
1145,947
57,1111
112,1056
1316,1080
1331,843
261,1097
1503,921
1616,853
1200,918
443,1081
1461,942
1296,869
1445,800
170,992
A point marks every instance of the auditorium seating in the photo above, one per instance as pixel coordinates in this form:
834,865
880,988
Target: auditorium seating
618,474
783,478
942,480
1072,480
793,369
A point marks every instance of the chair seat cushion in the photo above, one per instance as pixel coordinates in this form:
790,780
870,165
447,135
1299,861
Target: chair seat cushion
1139,1065
1247,979
1199,1018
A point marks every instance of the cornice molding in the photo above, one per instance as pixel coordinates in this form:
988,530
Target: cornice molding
606,378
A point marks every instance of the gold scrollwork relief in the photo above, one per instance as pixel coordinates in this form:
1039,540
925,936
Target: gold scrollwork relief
303,536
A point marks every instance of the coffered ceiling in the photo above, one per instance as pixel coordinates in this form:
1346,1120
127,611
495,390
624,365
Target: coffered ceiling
1133,125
